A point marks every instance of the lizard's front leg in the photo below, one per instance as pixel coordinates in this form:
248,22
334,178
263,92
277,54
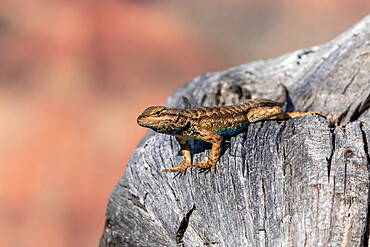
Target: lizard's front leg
216,140
185,149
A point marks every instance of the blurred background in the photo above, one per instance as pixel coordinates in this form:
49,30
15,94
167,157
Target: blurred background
74,75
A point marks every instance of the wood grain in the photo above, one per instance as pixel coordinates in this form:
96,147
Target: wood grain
301,182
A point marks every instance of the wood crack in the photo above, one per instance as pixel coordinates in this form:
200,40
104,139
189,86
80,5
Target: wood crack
365,237
183,226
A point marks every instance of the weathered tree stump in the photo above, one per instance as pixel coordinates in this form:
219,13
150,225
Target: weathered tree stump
301,182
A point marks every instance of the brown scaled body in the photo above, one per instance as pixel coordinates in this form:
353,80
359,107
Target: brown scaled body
210,124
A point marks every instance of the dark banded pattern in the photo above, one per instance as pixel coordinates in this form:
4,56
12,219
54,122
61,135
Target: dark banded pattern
210,124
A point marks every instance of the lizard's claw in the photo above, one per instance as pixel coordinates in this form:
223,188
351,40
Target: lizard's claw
318,113
205,170
179,174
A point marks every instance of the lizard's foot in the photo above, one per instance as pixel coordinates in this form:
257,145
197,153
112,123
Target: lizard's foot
205,165
181,168
301,114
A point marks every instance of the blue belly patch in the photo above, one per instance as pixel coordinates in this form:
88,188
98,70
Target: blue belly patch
230,132
176,131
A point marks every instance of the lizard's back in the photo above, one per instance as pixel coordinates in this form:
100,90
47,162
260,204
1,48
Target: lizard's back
226,120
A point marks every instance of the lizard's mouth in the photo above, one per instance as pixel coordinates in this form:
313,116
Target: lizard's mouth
140,121
145,122
149,122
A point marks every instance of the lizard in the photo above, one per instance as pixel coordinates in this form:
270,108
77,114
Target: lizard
212,124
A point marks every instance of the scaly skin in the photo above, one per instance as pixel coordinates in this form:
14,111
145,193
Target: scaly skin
211,124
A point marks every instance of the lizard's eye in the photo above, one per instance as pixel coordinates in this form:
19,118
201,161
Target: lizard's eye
157,113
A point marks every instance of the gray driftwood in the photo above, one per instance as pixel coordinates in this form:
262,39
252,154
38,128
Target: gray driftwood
301,182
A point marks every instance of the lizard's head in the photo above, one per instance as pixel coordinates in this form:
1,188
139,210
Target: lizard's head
162,119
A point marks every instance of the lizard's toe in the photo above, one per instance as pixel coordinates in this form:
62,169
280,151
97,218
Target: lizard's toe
319,114
203,165
205,170
175,169
181,168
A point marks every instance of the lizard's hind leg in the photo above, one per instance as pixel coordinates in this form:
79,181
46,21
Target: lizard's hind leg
275,113
266,113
